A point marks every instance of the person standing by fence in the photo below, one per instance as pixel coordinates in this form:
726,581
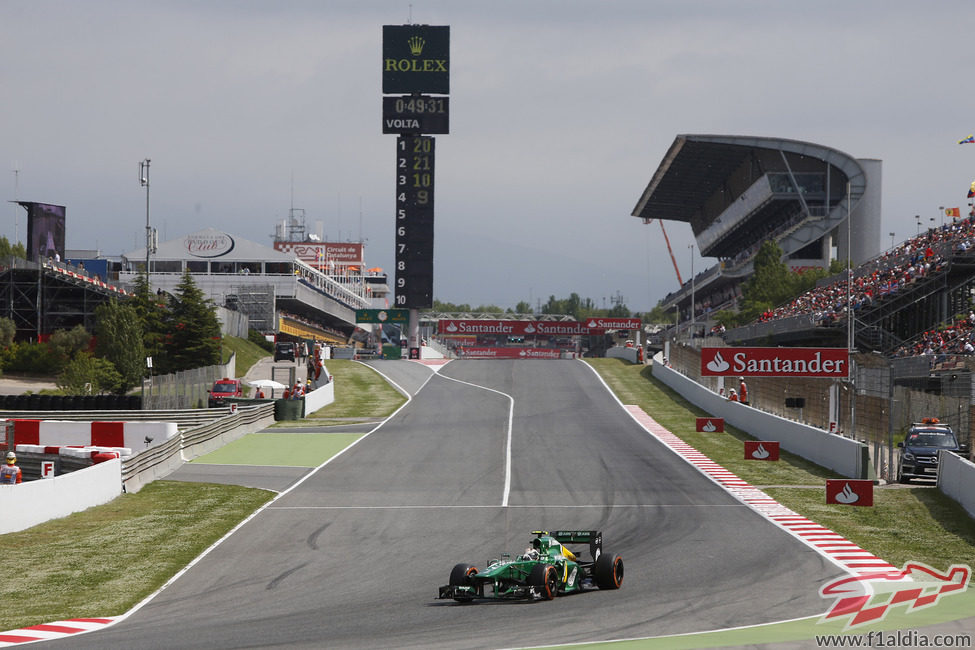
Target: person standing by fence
10,474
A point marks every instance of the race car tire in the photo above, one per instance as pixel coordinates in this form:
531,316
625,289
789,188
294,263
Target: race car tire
460,575
545,579
608,572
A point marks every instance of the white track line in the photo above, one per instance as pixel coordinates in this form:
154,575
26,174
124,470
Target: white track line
507,454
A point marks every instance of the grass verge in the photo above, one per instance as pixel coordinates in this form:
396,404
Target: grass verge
917,523
360,394
248,353
103,561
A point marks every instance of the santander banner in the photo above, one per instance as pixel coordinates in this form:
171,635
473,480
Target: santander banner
709,425
510,353
775,362
541,328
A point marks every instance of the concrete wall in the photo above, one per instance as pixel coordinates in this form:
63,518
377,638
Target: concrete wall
842,455
622,353
35,502
233,323
956,478
319,398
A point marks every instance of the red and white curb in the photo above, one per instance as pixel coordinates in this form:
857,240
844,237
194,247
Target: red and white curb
52,631
834,547
432,362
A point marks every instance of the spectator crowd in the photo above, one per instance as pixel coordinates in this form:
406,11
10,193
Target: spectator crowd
886,275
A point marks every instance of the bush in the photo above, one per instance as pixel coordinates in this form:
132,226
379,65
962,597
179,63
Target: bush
257,338
34,358
86,374
8,330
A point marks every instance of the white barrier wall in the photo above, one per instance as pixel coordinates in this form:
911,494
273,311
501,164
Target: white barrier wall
319,398
137,436
842,455
34,502
622,353
956,478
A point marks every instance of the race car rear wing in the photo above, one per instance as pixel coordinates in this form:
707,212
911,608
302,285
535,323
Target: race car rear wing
592,537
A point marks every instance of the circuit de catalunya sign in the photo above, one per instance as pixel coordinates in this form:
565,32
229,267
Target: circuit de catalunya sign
775,362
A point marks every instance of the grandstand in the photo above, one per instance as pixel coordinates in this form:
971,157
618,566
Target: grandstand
738,191
45,296
914,299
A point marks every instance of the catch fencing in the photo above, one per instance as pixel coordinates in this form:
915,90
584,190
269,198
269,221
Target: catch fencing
186,389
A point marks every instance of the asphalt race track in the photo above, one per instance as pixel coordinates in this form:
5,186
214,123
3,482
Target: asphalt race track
353,556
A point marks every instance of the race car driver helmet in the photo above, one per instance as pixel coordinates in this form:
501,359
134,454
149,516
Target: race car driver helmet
11,458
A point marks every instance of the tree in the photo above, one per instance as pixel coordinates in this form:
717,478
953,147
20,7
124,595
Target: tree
523,308
151,312
119,340
66,344
619,311
449,306
194,330
87,375
771,282
660,316
8,330
11,250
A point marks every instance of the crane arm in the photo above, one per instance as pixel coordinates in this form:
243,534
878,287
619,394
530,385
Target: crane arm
670,250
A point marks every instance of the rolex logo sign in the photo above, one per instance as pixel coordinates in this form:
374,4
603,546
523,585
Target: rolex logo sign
416,59
416,45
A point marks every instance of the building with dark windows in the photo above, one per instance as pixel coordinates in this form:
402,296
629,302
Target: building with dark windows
278,291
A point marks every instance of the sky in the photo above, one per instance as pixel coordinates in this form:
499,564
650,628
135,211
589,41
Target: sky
560,112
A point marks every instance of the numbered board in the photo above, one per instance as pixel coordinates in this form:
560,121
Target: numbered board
414,222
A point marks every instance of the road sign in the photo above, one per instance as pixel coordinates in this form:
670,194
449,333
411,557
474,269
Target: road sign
381,316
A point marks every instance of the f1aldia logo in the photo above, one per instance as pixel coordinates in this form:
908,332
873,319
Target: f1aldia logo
869,598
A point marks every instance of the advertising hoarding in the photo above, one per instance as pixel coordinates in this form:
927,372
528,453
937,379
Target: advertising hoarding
416,59
319,254
45,230
524,327
775,362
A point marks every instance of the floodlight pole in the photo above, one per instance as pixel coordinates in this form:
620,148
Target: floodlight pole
693,319
144,179
849,311
849,273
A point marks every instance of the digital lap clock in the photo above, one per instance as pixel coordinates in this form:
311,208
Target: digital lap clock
416,114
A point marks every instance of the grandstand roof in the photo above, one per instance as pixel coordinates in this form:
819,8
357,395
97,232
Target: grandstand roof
696,166
210,243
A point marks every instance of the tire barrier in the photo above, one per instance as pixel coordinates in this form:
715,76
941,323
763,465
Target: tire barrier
70,402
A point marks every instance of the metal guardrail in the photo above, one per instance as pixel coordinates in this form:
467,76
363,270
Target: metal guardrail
244,415
159,461
184,418
196,427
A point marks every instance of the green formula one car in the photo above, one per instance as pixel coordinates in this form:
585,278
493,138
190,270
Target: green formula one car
546,569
